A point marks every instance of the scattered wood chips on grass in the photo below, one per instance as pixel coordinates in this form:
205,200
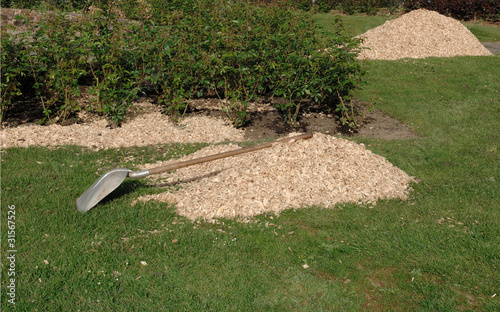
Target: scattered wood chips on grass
321,171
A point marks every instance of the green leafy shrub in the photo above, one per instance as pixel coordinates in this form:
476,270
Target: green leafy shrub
13,58
56,63
240,52
58,55
234,50
356,6
114,64
50,4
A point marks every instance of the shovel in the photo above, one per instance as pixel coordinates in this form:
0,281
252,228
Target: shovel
112,179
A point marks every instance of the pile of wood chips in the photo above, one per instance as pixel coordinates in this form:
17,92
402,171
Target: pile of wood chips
420,34
321,171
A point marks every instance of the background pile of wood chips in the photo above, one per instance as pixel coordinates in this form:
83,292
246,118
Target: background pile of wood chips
420,34
323,170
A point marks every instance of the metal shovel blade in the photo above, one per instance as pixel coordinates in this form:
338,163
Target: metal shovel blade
101,188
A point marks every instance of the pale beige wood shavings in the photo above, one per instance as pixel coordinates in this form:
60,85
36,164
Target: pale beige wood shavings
146,129
321,171
420,34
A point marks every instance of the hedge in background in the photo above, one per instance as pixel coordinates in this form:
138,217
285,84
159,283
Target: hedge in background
350,6
460,9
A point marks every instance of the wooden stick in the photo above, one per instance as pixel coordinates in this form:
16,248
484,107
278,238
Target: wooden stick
200,160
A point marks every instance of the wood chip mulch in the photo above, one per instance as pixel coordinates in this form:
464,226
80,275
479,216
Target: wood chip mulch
321,171
148,128
420,34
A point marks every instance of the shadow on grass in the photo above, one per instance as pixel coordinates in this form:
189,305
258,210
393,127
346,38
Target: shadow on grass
124,189
129,186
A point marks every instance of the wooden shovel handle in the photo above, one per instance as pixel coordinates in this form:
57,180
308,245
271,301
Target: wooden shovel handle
200,160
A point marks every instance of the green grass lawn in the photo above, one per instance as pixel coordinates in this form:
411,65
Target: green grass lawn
484,33
354,24
437,251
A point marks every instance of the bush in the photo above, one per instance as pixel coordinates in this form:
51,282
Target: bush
56,64
234,50
48,4
241,51
459,9
346,6
12,72
58,55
